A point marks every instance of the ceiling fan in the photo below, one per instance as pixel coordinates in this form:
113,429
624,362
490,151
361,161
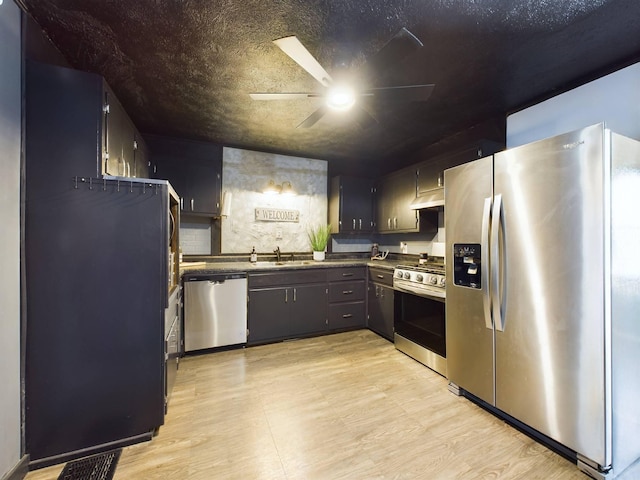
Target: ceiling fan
341,95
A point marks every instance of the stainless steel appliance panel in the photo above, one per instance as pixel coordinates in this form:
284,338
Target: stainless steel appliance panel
215,312
549,304
625,300
470,343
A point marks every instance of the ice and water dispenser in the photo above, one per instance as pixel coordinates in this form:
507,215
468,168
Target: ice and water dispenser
467,265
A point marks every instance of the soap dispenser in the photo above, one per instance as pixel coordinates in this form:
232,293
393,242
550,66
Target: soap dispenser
254,255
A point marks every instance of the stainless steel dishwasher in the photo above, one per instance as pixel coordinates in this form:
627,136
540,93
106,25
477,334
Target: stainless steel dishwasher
215,310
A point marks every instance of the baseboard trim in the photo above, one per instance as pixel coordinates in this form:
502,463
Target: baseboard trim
85,452
19,471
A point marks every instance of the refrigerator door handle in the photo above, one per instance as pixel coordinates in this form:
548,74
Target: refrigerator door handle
484,247
496,217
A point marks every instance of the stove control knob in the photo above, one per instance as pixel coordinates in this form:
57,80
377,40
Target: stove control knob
399,274
442,281
433,280
419,278
407,275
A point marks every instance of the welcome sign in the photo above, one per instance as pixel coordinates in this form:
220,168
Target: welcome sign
277,215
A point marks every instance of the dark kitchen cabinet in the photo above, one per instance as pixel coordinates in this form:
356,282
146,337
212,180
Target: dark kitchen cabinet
308,310
286,304
194,169
395,192
380,298
268,314
347,293
351,205
430,173
120,138
88,132
140,157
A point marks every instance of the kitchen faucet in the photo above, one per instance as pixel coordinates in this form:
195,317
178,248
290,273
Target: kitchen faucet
277,252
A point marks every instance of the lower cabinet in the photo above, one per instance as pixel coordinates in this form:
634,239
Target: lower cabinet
286,305
380,302
347,293
298,303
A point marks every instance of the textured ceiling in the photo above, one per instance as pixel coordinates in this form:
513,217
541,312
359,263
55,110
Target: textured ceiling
186,67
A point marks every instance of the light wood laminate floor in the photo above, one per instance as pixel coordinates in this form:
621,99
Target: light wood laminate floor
345,406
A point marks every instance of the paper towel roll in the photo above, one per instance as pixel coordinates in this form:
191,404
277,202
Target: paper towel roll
225,211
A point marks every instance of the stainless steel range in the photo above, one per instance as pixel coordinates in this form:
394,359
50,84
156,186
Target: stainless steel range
419,320
426,280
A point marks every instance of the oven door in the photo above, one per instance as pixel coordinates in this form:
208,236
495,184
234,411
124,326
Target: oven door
419,324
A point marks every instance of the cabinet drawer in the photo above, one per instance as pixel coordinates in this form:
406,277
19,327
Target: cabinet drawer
289,277
381,275
346,315
346,291
346,273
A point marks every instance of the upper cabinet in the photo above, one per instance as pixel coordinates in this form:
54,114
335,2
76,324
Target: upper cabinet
122,142
395,192
193,168
76,124
351,205
430,173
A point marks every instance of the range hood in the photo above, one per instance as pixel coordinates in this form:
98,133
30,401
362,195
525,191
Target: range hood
428,199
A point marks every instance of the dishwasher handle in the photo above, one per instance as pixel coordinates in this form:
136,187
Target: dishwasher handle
214,277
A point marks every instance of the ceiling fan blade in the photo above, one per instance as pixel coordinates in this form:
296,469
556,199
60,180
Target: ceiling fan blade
282,96
299,54
364,118
311,120
409,93
403,44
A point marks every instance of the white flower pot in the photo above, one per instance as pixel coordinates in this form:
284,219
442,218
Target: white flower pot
318,256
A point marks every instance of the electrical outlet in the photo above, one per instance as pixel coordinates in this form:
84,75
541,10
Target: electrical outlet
404,248
278,234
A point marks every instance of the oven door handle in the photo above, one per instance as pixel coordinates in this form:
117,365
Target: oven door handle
484,269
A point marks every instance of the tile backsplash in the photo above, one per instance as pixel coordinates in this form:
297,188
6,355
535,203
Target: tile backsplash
195,236
245,174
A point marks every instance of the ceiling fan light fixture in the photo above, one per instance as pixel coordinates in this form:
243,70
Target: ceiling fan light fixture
341,98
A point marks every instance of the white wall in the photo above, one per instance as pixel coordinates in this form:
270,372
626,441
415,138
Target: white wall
613,99
10,134
245,173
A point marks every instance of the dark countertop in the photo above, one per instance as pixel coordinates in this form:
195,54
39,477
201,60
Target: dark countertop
216,266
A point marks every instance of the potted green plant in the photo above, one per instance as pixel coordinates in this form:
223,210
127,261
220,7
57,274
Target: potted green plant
318,238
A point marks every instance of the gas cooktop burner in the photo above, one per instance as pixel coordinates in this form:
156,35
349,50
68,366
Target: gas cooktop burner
423,267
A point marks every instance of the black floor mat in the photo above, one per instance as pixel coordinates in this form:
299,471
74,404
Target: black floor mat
96,467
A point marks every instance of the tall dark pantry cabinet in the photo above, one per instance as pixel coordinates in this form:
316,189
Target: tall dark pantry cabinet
99,273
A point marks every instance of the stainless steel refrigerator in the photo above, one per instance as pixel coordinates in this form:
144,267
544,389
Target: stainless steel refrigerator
543,293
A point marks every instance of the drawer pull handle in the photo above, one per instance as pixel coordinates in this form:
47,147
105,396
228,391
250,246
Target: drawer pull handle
347,274
380,276
347,315
347,292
